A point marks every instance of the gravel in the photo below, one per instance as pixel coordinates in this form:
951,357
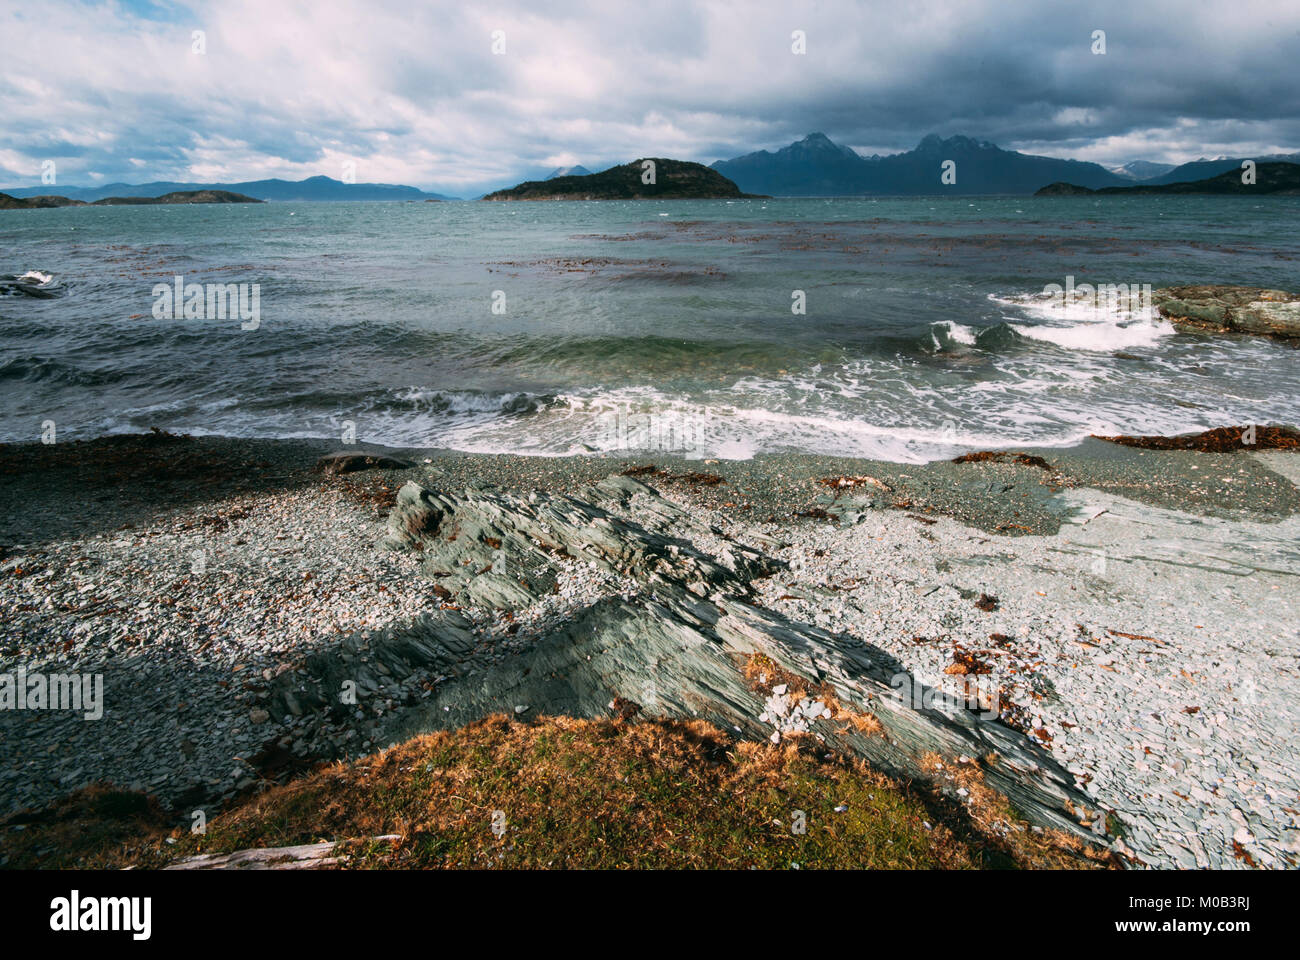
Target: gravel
1154,653
1150,644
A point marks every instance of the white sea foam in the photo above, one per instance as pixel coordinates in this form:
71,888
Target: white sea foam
1086,323
944,333
1099,335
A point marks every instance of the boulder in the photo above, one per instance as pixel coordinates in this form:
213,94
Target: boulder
1228,309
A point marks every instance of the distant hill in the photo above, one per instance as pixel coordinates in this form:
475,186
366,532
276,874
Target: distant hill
674,180
1141,169
575,171
8,202
313,188
817,166
182,196
1278,179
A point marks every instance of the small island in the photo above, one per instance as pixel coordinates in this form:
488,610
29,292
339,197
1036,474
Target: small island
674,180
1278,179
8,202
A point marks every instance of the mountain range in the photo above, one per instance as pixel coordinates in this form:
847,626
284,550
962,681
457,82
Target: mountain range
815,166
313,188
1141,169
1271,177
1205,169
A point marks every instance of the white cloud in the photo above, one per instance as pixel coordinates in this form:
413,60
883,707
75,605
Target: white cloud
413,93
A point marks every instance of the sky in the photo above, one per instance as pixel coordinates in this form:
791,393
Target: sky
415,93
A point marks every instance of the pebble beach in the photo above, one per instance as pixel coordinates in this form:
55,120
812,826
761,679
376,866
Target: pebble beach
1135,610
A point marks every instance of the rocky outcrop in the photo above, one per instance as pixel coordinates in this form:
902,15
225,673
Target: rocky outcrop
1228,309
683,638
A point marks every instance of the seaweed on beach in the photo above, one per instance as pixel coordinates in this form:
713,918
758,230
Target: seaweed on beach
694,477
1218,440
700,479
1001,456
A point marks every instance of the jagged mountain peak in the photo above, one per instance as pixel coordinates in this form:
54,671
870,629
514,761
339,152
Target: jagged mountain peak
933,142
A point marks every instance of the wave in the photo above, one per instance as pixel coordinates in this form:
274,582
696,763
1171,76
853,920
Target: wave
34,369
468,402
950,335
635,421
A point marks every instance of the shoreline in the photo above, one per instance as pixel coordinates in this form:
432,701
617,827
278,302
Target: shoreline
1197,571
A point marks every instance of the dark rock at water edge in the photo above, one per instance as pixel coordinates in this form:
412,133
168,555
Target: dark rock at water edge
1227,309
348,461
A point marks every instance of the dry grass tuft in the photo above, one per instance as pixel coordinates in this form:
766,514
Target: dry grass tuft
561,792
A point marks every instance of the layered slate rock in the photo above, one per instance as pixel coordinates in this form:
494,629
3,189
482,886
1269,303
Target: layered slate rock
684,644
500,550
1229,309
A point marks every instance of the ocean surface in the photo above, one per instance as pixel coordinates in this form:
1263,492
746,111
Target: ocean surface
566,328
